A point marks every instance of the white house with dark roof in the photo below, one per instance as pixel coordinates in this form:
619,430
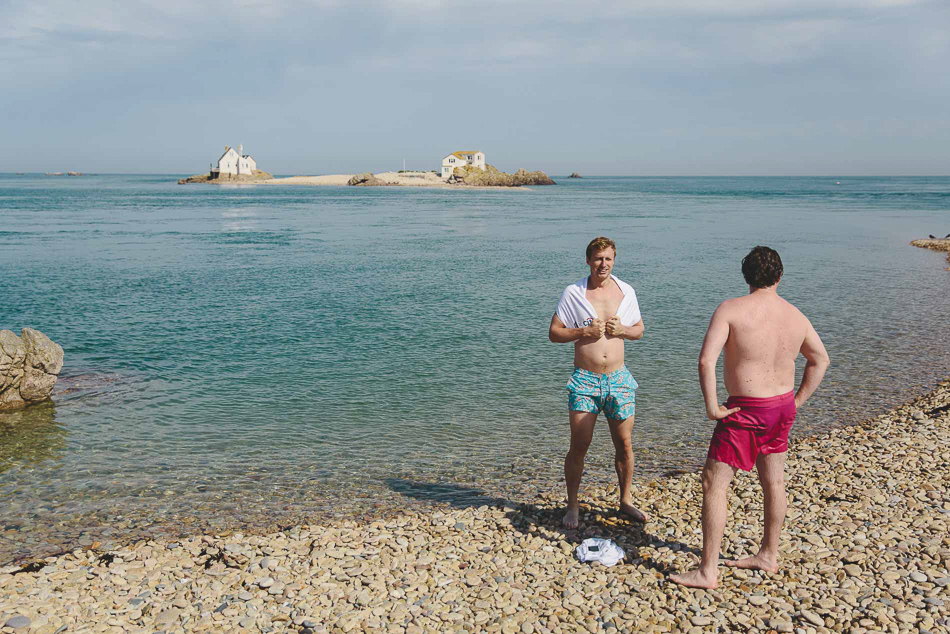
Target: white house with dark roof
234,162
458,159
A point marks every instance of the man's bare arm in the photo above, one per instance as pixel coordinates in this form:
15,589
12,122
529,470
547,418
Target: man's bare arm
616,329
713,343
559,333
817,362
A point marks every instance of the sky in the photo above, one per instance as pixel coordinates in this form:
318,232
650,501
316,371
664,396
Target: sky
601,87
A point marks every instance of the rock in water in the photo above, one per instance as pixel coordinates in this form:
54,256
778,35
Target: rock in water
575,175
492,177
29,365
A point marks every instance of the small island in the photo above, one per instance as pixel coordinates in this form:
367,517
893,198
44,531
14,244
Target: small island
463,169
575,175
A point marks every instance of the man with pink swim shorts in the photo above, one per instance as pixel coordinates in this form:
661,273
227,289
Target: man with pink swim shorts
762,335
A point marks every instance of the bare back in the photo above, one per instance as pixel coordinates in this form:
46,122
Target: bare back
766,334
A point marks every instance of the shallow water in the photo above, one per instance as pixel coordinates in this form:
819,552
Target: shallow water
243,355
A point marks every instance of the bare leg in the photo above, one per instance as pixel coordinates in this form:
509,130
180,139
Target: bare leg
771,469
620,431
582,431
716,478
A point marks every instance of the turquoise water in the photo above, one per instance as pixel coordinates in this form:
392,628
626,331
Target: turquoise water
243,355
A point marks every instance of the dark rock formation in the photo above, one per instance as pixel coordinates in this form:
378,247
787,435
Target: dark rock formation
29,365
575,175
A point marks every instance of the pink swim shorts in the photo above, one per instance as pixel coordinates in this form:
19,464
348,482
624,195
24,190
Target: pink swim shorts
760,427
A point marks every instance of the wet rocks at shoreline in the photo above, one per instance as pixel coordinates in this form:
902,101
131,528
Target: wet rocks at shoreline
934,244
866,548
29,365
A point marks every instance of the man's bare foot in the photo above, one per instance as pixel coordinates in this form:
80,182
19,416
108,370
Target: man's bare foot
696,579
571,517
756,562
634,513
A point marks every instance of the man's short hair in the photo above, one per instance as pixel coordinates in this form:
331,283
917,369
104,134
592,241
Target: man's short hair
762,267
599,244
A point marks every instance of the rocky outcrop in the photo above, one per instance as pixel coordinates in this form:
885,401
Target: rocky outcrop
575,175
493,177
367,179
211,177
935,244
29,365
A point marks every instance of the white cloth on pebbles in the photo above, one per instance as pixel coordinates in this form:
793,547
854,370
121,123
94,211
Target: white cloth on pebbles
602,551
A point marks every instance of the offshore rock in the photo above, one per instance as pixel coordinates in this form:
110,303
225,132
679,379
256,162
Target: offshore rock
367,179
491,176
221,179
935,244
29,365
575,175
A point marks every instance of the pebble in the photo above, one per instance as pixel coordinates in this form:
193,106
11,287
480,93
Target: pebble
919,577
17,622
266,582
813,618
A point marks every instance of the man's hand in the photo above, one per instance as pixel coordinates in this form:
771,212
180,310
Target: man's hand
596,329
720,412
615,328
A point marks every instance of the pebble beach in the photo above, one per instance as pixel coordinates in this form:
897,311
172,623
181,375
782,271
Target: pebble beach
866,548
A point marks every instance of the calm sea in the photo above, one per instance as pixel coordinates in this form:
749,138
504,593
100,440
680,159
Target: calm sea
243,355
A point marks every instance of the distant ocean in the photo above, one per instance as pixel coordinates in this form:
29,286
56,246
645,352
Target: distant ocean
243,355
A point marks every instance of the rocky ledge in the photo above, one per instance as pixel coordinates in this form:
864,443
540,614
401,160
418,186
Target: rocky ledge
492,177
29,365
865,549
934,244
222,179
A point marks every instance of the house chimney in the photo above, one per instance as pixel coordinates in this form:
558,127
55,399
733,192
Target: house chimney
240,149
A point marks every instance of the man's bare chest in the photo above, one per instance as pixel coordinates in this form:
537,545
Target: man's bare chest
605,301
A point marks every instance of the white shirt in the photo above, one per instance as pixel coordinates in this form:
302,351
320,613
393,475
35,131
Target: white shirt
575,311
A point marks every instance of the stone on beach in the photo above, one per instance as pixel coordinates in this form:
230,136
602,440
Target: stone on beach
367,179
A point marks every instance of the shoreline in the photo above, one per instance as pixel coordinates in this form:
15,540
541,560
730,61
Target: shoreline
864,548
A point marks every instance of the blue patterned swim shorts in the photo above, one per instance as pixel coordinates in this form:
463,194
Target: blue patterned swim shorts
614,393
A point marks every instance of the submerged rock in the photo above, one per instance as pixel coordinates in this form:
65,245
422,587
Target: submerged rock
29,365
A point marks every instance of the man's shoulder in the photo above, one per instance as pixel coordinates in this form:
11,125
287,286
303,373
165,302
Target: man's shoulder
624,286
579,284
575,288
731,304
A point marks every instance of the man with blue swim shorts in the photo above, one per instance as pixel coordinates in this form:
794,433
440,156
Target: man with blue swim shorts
597,313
